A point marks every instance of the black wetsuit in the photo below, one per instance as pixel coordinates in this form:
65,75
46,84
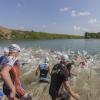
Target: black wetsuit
59,74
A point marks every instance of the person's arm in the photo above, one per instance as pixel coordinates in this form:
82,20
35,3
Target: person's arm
72,71
73,74
18,87
37,70
70,91
7,79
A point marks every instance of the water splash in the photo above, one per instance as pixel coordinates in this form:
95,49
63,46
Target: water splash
86,83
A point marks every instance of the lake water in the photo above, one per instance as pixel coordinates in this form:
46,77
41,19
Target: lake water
88,88
90,45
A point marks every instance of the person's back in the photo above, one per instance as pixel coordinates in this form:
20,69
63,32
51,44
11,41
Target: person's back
44,69
58,75
43,72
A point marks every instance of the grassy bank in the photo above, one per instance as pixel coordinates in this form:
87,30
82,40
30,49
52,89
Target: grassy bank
16,34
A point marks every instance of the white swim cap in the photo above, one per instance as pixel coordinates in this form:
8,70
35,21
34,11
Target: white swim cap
46,60
14,48
64,58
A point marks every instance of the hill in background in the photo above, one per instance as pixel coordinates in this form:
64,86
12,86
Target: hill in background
6,33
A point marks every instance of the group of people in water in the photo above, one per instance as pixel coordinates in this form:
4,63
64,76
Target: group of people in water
60,88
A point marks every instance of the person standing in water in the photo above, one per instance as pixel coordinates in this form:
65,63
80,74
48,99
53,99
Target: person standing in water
59,77
10,74
44,69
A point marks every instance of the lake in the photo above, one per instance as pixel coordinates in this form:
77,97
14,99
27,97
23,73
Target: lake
90,45
88,88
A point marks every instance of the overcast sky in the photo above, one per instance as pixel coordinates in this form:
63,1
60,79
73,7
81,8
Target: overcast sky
55,16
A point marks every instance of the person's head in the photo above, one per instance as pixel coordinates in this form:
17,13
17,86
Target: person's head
14,49
6,51
65,59
46,60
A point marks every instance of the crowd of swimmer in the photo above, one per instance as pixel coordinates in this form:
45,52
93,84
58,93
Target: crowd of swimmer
43,61
84,65
80,59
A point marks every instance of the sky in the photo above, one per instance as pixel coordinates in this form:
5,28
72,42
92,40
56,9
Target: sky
53,16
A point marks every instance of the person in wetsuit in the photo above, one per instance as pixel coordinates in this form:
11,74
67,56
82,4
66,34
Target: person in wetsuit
44,69
10,74
59,77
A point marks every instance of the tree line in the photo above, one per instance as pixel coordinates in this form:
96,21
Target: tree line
90,35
